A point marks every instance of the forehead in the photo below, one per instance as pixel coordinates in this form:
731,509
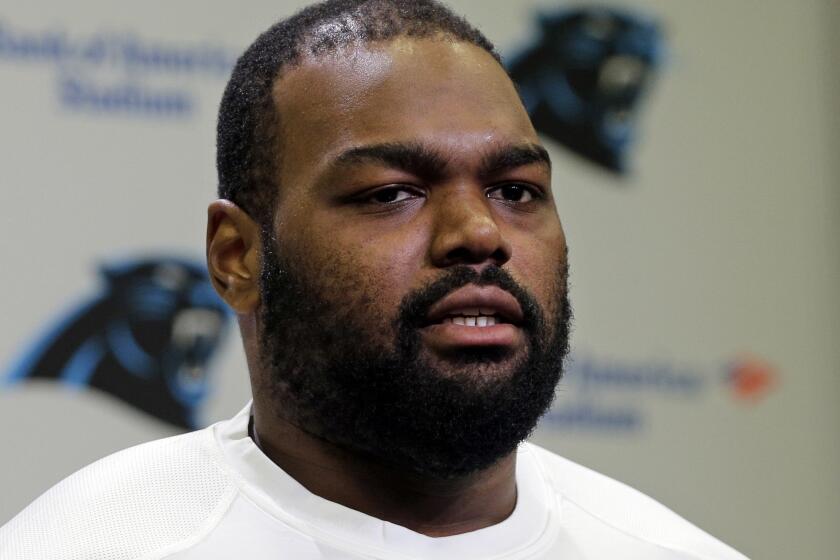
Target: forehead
453,96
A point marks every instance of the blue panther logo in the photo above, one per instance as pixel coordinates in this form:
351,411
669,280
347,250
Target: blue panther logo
583,78
146,339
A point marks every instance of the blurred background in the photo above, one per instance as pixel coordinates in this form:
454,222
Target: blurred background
696,172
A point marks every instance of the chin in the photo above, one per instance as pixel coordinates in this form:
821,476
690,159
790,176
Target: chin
484,363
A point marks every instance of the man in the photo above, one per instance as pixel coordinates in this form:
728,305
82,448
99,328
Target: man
387,237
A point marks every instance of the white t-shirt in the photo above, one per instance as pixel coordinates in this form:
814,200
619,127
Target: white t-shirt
213,495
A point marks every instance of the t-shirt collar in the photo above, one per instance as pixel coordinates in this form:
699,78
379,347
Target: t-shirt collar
279,495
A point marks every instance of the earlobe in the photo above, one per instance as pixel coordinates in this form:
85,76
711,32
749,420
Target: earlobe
234,255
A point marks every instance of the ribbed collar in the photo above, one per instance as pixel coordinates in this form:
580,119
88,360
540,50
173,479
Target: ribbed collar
531,528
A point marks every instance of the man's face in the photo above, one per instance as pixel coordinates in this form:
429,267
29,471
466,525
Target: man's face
414,277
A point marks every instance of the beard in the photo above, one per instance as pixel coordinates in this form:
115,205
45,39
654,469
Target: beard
330,371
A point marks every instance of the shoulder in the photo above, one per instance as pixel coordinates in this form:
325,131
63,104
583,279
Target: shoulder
613,504
127,505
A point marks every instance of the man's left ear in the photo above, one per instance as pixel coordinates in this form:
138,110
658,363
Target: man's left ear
234,255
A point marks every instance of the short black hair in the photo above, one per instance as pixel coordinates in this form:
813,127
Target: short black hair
247,148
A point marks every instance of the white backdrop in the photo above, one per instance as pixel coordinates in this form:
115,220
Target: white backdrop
720,254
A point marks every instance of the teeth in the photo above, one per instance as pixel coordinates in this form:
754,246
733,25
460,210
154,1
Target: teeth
472,321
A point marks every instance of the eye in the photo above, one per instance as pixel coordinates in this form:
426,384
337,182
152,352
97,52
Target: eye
391,195
513,192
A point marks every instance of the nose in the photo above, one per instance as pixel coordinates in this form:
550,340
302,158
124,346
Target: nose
466,231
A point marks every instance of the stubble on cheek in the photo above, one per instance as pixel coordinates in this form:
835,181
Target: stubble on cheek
548,282
355,304
323,311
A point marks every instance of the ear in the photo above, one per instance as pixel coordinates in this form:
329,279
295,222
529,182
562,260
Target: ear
234,255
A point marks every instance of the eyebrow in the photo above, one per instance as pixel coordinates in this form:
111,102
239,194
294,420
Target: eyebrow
511,157
411,157
422,161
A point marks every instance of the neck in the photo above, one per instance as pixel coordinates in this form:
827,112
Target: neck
433,507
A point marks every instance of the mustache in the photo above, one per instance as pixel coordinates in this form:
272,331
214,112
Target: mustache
415,306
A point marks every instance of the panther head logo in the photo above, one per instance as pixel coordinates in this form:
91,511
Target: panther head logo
583,78
147,338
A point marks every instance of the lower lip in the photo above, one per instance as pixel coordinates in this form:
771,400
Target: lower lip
449,336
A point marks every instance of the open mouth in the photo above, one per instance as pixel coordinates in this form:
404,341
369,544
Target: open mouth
475,316
476,306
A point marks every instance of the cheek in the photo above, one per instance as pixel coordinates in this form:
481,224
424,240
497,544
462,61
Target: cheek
540,266
361,284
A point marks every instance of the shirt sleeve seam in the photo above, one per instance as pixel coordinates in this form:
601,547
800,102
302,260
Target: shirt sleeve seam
653,542
201,533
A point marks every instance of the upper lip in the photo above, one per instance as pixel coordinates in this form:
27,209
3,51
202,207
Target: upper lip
501,302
